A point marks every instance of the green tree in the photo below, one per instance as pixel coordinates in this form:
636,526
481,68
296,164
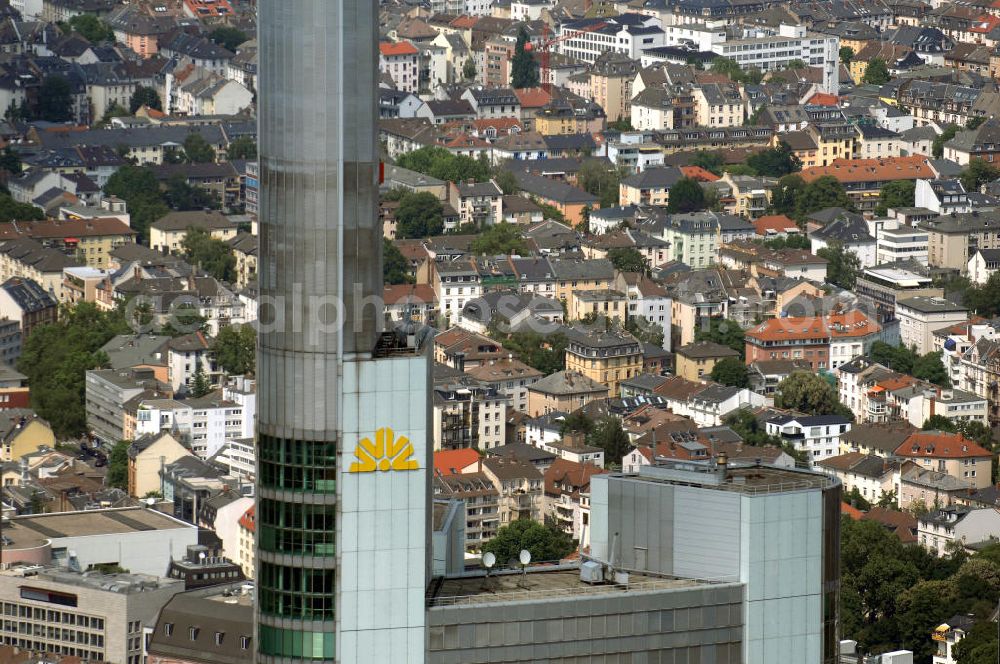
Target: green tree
628,259
243,147
919,610
395,269
979,646
846,54
973,123
710,161
876,73
11,210
197,150
843,265
55,99
419,215
91,28
576,422
227,37
725,332
823,192
621,124
210,254
929,367
469,70
523,68
796,241
645,330
939,423
610,437
200,384
550,212
597,179
439,163
731,68
180,195
686,195
117,476
546,543
731,371
145,96
139,188
784,198
937,146
896,194
854,497
235,349
10,161
546,353
775,162
500,239
56,356
507,182
978,173
809,393
114,110
897,358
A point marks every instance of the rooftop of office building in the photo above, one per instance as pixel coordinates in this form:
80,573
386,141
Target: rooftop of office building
35,530
751,479
541,582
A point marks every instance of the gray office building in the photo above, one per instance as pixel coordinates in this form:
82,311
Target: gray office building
343,488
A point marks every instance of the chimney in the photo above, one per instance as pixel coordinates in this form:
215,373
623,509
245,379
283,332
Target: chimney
722,465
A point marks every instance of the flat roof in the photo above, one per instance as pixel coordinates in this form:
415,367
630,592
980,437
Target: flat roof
542,584
36,529
751,479
901,278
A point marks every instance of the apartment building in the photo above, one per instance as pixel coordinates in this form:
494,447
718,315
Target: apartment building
919,317
952,240
606,357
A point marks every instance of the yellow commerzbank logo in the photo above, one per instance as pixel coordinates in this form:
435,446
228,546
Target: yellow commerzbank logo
385,454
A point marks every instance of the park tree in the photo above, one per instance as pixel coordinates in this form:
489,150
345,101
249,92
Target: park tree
210,254
784,198
576,422
877,72
731,371
243,147
197,150
11,210
439,163
710,161
610,437
56,356
775,162
500,239
546,353
235,349
809,393
978,173
929,367
507,182
523,68
846,54
395,269
145,96
896,194
469,70
180,195
228,37
686,195
937,146
843,265
546,543
939,422
55,99
628,259
725,332
419,215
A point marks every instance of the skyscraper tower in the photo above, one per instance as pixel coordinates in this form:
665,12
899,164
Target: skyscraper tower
342,477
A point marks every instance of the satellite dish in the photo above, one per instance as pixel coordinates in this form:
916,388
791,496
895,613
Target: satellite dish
525,556
151,501
202,556
489,560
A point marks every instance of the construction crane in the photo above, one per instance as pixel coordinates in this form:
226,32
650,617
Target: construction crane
545,48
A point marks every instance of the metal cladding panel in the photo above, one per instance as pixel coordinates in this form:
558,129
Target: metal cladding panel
706,543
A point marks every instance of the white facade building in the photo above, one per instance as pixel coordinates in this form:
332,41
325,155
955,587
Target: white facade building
817,436
793,42
628,34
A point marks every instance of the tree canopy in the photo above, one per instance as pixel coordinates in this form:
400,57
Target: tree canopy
91,28
145,96
546,543
710,161
439,163
877,72
228,37
395,269
608,435
896,194
927,367
731,371
197,150
843,265
686,195
597,179
546,353
937,146
138,187
809,393
243,147
732,69
846,54
419,215
235,349
117,476
725,332
823,192
523,68
775,162
55,99
978,173
628,259
55,358
500,239
210,254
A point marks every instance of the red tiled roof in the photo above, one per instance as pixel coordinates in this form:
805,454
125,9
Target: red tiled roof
415,293
985,23
778,223
451,462
823,99
873,170
532,97
571,476
699,173
940,445
247,520
834,326
464,22
398,48
851,511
